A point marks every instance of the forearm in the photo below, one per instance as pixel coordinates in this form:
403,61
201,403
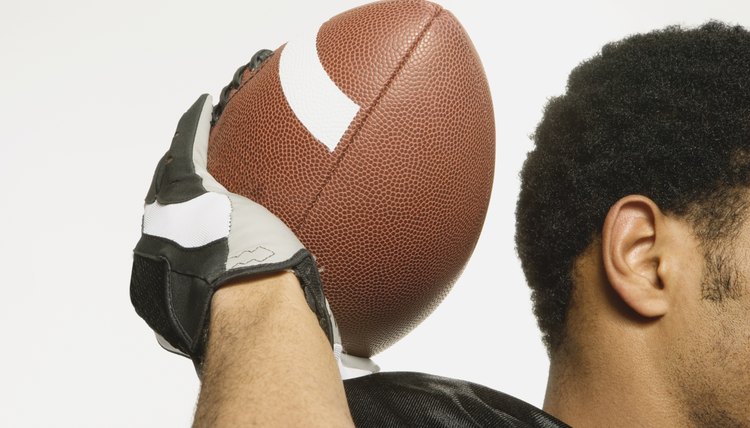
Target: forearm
268,363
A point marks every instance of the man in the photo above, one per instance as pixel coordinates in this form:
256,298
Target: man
631,226
633,234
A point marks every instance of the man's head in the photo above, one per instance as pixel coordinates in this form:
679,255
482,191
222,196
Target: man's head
638,186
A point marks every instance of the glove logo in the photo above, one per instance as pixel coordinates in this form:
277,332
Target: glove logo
255,256
196,236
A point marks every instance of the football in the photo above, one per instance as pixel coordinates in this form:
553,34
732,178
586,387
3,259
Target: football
373,139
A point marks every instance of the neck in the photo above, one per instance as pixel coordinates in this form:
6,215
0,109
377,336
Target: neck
615,390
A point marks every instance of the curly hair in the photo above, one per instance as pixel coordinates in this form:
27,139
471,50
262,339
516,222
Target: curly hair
664,114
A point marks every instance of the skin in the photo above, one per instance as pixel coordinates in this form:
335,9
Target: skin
268,363
644,348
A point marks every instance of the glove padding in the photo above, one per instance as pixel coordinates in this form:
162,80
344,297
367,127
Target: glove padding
197,236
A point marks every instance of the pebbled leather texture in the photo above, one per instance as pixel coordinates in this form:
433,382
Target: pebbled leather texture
392,215
175,274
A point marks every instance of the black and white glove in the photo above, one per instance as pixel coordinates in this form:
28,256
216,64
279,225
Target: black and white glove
197,236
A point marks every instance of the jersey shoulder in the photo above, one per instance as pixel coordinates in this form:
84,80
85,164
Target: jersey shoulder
423,400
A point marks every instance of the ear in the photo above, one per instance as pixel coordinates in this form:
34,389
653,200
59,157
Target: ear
632,250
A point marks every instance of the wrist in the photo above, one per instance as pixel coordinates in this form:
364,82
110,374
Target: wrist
256,294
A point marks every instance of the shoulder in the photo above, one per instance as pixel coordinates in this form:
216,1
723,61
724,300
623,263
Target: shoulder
419,399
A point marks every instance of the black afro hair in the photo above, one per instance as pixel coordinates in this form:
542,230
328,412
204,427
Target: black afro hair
664,114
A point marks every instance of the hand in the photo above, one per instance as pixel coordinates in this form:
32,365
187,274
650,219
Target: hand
197,236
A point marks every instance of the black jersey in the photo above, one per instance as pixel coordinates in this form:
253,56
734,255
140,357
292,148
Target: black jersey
405,399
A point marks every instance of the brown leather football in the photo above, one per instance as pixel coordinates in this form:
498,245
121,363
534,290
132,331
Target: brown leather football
374,140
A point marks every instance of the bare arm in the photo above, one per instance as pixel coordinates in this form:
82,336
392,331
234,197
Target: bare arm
268,362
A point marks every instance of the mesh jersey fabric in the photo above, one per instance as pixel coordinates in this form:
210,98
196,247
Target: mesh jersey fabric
408,399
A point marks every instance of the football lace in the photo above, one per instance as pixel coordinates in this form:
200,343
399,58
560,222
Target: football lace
255,62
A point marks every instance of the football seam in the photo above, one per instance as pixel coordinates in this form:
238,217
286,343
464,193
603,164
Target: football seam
439,11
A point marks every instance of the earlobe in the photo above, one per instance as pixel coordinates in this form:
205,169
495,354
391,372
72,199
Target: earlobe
631,253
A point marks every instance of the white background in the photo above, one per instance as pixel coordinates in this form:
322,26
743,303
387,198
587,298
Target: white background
90,94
